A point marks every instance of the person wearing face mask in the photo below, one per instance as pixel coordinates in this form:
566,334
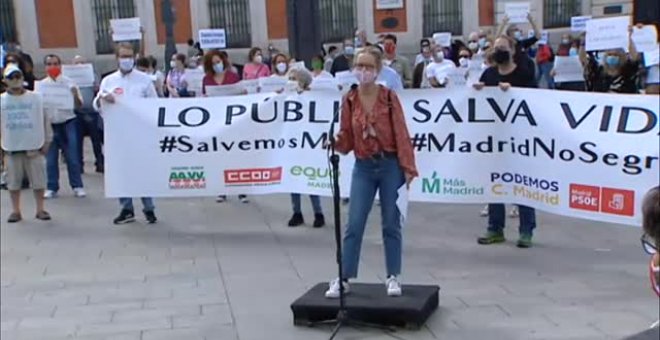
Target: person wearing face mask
344,62
256,68
176,80
330,58
572,51
26,65
506,74
28,77
280,66
520,56
388,76
373,126
217,71
616,73
90,121
473,42
23,148
398,62
425,55
317,67
565,45
127,83
360,39
437,71
66,126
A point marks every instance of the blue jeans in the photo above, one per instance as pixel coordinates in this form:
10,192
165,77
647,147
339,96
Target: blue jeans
497,216
90,122
544,71
65,138
369,176
147,204
316,204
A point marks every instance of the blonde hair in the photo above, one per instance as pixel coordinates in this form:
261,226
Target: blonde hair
374,52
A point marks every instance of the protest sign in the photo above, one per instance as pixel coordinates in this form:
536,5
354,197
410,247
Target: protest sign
442,39
607,33
517,12
568,69
55,95
224,90
126,29
212,38
82,74
645,38
579,24
272,84
194,79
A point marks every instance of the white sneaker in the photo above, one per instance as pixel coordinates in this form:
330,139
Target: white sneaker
221,199
393,286
79,192
50,194
484,211
333,290
244,199
514,212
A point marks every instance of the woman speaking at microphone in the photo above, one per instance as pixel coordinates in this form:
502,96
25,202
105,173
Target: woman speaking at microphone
374,128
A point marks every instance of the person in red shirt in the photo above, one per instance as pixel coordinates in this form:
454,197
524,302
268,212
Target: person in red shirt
545,59
373,126
218,71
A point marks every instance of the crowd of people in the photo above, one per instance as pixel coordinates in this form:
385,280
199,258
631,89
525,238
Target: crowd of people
373,124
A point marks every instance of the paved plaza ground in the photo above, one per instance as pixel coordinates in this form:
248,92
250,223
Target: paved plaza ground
230,271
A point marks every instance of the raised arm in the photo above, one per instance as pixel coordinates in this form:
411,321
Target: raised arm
502,27
632,49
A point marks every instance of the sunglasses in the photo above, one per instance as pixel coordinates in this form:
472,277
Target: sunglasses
648,245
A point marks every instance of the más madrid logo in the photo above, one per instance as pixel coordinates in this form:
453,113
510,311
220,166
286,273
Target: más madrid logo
187,177
607,200
253,177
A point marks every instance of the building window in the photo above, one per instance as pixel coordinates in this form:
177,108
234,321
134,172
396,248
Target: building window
103,11
558,13
443,16
234,17
338,19
7,21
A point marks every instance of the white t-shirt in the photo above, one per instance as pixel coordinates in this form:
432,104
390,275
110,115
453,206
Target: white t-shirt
439,71
133,85
23,122
58,116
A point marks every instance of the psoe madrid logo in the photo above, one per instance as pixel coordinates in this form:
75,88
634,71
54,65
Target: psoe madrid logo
607,200
253,177
187,177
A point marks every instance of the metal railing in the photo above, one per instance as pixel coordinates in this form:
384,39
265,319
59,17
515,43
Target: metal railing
558,13
443,16
234,17
7,21
103,11
338,19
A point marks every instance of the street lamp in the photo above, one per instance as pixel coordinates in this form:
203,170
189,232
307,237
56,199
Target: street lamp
169,18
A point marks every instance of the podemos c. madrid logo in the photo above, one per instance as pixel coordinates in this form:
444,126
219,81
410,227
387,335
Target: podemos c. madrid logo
537,189
187,177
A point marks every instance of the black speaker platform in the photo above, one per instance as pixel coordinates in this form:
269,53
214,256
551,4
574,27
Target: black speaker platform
369,303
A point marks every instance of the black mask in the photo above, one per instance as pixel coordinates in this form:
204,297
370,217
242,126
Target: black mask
501,56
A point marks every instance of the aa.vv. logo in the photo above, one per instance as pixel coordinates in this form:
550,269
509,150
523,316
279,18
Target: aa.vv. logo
316,177
185,177
448,186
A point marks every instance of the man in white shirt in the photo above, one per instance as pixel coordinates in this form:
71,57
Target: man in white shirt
437,72
65,126
127,82
25,136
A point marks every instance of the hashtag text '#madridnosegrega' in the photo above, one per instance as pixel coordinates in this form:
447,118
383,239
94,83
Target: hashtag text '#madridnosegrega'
587,152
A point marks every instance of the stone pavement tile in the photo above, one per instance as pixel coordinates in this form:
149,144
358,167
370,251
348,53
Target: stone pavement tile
25,310
130,295
50,324
212,332
131,315
7,325
102,329
481,315
202,321
113,336
47,334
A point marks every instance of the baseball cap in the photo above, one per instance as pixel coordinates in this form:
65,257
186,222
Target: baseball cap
11,69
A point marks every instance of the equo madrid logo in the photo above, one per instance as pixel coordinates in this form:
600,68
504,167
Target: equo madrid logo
253,177
606,200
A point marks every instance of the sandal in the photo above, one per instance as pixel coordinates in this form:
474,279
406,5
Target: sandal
14,217
43,215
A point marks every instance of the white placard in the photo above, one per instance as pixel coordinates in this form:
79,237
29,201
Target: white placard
346,78
568,69
55,95
126,29
544,149
224,90
442,39
517,12
194,78
457,77
299,65
607,33
212,38
250,85
389,4
81,74
646,38
651,57
324,83
579,24
272,84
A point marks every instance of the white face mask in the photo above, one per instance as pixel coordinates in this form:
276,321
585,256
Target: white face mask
258,59
440,56
126,64
172,64
463,62
281,67
387,62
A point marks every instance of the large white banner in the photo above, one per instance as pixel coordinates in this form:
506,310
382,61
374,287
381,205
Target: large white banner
584,155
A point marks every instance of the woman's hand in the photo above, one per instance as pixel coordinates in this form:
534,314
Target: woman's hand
409,179
505,86
478,86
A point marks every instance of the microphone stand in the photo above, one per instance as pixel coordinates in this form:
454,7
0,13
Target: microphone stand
343,318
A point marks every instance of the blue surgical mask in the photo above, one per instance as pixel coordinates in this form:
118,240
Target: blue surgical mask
482,42
612,61
126,64
573,52
357,42
517,35
218,68
349,50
